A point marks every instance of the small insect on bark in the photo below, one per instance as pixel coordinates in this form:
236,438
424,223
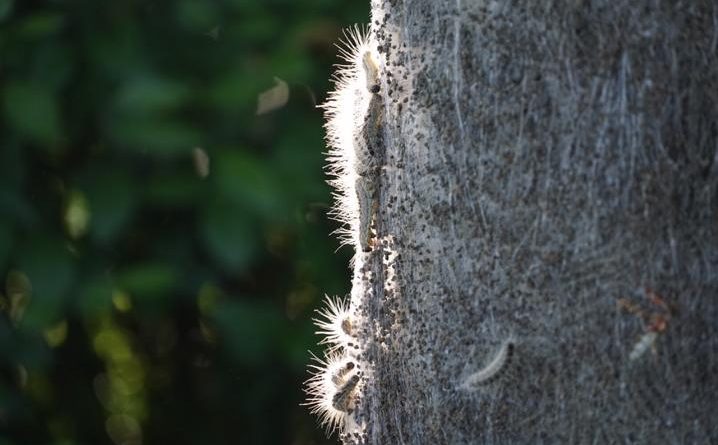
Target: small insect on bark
492,369
656,321
647,340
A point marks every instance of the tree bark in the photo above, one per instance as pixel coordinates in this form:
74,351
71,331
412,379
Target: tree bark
550,179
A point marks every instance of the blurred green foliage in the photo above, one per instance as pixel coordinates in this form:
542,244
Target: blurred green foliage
162,247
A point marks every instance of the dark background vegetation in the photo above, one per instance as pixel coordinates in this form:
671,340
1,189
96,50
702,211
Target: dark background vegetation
144,301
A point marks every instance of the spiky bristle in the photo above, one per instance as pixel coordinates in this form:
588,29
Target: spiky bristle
335,323
342,111
329,377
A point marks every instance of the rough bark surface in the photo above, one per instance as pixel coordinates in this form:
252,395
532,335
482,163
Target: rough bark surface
551,176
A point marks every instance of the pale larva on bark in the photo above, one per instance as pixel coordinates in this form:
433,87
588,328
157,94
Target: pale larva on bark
646,341
492,369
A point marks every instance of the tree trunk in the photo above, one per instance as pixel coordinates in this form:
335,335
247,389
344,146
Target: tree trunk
548,193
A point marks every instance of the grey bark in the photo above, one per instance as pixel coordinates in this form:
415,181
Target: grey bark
550,167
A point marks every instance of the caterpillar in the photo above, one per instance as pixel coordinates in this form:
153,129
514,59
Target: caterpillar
332,389
354,135
492,369
335,323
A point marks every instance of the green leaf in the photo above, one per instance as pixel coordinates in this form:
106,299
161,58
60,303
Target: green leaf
248,330
174,189
155,137
5,8
51,270
6,242
15,208
248,183
230,235
53,64
32,111
76,214
112,198
94,298
13,165
236,90
198,15
148,95
148,280
41,25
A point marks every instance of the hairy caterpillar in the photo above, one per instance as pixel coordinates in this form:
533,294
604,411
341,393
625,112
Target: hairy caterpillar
335,323
332,389
354,135
492,369
329,372
333,385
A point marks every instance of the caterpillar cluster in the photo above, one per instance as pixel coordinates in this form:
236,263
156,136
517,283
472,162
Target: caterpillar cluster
334,385
353,125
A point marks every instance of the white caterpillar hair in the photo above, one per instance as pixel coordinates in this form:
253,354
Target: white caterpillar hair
335,324
345,110
332,388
